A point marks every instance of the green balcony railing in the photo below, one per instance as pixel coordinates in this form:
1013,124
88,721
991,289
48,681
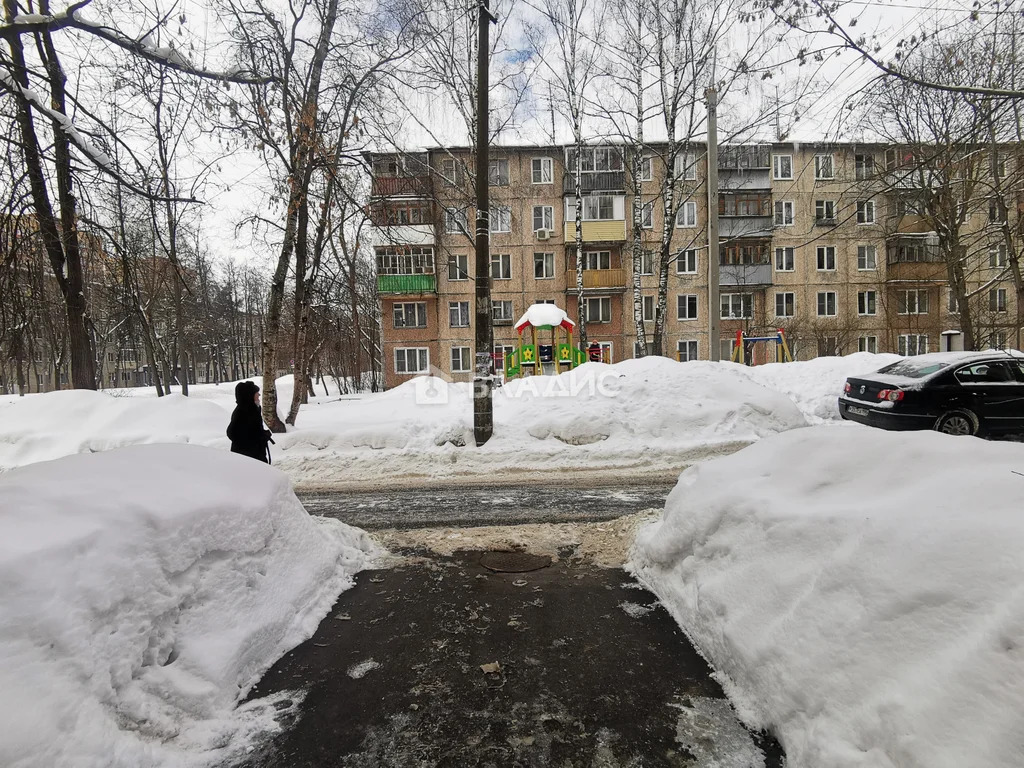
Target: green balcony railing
407,283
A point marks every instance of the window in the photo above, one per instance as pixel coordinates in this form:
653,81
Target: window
601,159
864,167
737,305
826,304
501,311
542,172
953,304
448,171
501,219
501,266
686,166
543,265
826,258
996,211
458,314
997,256
412,314
825,211
784,261
647,216
648,308
455,221
865,211
113,379
598,208
598,310
823,167
912,344
784,213
744,252
997,340
647,263
867,303
785,304
867,258
828,346
497,173
686,262
646,168
406,260
867,344
913,302
745,204
543,217
686,216
412,360
460,360
686,306
597,260
458,266
783,166
686,350
909,206
997,300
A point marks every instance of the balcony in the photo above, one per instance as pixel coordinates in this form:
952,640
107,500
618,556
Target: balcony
745,275
597,279
915,259
407,234
744,226
601,181
597,231
407,283
402,186
744,158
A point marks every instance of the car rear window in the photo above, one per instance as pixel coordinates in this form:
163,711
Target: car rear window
913,369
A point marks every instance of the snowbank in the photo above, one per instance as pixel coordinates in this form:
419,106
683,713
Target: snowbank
143,592
860,593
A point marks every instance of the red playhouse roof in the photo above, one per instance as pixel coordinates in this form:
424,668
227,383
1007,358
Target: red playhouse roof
544,316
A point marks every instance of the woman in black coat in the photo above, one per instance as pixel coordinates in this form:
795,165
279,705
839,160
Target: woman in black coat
246,431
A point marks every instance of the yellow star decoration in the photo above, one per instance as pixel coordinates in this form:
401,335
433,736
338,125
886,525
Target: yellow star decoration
564,354
528,354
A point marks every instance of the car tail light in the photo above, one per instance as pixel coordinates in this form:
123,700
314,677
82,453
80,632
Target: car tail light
892,395
847,388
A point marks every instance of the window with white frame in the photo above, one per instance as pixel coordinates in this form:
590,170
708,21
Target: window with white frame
784,213
825,211
865,211
597,259
737,306
686,306
647,215
997,340
501,311
785,304
647,168
827,304
867,344
497,172
542,170
912,344
647,262
455,221
501,219
650,302
461,360
864,167
686,166
997,300
686,350
600,159
412,360
449,171
784,260
782,166
458,266
997,255
824,167
501,266
686,262
411,314
458,314
912,302
598,309
543,265
543,217
867,258
867,302
686,216
405,260
598,208
826,258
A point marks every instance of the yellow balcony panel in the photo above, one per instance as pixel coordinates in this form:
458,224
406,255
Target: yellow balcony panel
597,231
613,279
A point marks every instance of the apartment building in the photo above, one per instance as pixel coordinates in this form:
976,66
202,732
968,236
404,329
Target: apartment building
826,242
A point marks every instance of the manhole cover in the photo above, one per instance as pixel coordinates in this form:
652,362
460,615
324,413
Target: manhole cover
513,562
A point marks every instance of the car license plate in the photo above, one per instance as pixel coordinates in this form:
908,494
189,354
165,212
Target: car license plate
856,411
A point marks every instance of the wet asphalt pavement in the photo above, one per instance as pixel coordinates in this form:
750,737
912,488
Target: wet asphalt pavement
442,662
499,505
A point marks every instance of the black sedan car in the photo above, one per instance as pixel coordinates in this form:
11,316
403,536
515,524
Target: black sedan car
960,393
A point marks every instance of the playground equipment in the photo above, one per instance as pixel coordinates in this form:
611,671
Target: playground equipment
548,359
744,351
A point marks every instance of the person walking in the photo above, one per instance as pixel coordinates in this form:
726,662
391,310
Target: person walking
246,431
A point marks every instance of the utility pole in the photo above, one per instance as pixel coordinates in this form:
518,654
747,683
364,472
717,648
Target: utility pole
714,344
483,378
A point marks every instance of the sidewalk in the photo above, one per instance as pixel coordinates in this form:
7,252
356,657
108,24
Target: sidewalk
584,670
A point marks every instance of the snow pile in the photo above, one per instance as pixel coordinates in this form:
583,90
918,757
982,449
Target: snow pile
143,592
860,593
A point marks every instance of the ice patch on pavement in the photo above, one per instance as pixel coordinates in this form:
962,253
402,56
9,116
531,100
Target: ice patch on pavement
709,731
635,610
359,670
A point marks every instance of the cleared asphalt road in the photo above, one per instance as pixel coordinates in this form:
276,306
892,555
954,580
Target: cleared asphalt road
488,505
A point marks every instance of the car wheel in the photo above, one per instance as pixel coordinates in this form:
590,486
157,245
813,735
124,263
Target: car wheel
958,423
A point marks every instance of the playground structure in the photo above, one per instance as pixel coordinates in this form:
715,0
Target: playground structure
544,359
744,350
